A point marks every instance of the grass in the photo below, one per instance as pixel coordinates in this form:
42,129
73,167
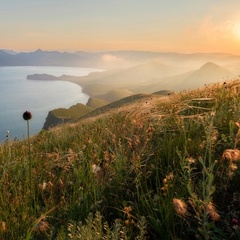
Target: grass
74,111
96,103
170,174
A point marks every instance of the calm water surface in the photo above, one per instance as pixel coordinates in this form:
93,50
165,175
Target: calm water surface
19,95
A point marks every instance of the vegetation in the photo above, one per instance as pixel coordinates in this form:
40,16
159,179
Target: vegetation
74,111
96,103
169,173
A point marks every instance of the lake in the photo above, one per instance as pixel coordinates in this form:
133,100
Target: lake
39,97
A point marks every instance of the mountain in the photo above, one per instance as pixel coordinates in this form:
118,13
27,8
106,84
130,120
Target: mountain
144,78
209,73
206,74
44,58
9,51
153,77
115,59
130,78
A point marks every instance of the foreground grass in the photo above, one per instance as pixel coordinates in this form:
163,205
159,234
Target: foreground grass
170,174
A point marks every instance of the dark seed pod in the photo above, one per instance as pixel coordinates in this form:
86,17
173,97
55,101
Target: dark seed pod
27,115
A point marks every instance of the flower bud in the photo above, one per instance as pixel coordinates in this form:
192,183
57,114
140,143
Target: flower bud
27,115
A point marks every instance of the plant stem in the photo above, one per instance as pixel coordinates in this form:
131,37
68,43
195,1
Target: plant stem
30,160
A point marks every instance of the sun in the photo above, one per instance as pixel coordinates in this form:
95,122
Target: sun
236,30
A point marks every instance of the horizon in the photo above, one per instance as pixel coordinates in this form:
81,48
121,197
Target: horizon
123,50
156,26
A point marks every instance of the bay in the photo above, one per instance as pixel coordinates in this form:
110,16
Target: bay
17,95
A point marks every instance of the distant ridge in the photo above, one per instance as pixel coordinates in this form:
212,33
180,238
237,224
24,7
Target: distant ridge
112,59
9,51
144,78
209,73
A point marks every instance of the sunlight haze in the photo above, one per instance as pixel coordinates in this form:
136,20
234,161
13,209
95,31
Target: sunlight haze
149,25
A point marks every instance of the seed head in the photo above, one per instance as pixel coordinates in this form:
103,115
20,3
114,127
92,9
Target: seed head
180,206
27,115
211,210
231,155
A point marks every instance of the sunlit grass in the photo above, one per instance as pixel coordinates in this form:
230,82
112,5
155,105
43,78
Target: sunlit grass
130,175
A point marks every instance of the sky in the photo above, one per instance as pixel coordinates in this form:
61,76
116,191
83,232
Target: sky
185,26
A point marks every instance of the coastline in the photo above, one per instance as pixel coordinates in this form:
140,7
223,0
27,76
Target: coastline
66,78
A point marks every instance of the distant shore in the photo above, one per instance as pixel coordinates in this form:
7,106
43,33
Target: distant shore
68,78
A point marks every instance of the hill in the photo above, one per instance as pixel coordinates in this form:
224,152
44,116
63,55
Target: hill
96,103
130,171
62,115
162,77
106,87
145,78
206,74
115,95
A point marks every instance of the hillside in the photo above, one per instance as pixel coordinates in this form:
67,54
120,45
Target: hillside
96,103
129,170
107,86
206,74
115,95
63,115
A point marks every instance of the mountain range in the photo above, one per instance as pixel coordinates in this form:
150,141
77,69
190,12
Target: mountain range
133,71
127,73
144,78
115,59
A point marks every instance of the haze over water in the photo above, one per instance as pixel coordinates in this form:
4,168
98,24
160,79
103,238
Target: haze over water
19,95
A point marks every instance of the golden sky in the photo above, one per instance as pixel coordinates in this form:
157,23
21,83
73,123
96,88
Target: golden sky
185,26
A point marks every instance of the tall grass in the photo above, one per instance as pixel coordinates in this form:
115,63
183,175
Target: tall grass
170,174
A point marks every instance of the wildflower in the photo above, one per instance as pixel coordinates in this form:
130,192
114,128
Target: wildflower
168,177
167,182
214,136
27,115
43,186
180,206
127,210
42,226
191,160
7,134
233,167
231,155
235,221
212,114
212,212
3,227
129,220
95,169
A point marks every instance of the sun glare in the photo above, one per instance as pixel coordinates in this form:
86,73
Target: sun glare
236,30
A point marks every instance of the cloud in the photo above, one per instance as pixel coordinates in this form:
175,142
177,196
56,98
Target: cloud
110,58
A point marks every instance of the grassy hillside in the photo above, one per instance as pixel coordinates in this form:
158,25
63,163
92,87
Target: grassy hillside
116,94
62,115
152,168
74,111
96,103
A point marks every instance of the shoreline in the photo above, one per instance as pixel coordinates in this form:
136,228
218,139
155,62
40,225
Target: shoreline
66,78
